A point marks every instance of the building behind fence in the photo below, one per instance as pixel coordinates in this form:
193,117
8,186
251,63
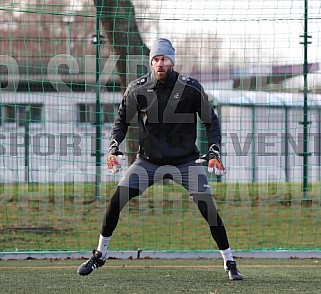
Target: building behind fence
262,135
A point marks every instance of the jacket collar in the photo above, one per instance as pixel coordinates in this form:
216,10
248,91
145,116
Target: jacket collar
171,80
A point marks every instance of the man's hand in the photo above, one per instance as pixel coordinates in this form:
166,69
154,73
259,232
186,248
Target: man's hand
214,160
114,154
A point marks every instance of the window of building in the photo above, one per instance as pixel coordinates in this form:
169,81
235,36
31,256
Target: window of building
87,113
18,113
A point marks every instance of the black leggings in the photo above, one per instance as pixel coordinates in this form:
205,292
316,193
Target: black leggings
204,203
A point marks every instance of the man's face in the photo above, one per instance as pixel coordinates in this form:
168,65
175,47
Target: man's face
162,67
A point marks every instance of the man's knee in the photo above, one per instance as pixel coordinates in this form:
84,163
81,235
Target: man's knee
121,197
207,208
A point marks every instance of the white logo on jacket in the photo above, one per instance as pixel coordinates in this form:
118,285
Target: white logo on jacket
176,96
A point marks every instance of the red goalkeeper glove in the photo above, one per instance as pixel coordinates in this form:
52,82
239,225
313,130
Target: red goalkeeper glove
214,160
114,154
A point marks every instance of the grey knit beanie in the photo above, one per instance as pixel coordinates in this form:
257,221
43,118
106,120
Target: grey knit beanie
164,47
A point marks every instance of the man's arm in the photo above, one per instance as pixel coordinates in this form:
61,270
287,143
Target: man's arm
209,119
126,113
211,122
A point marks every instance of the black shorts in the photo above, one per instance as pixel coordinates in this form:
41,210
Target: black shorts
142,174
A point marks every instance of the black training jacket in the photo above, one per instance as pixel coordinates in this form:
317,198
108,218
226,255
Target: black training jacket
167,118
